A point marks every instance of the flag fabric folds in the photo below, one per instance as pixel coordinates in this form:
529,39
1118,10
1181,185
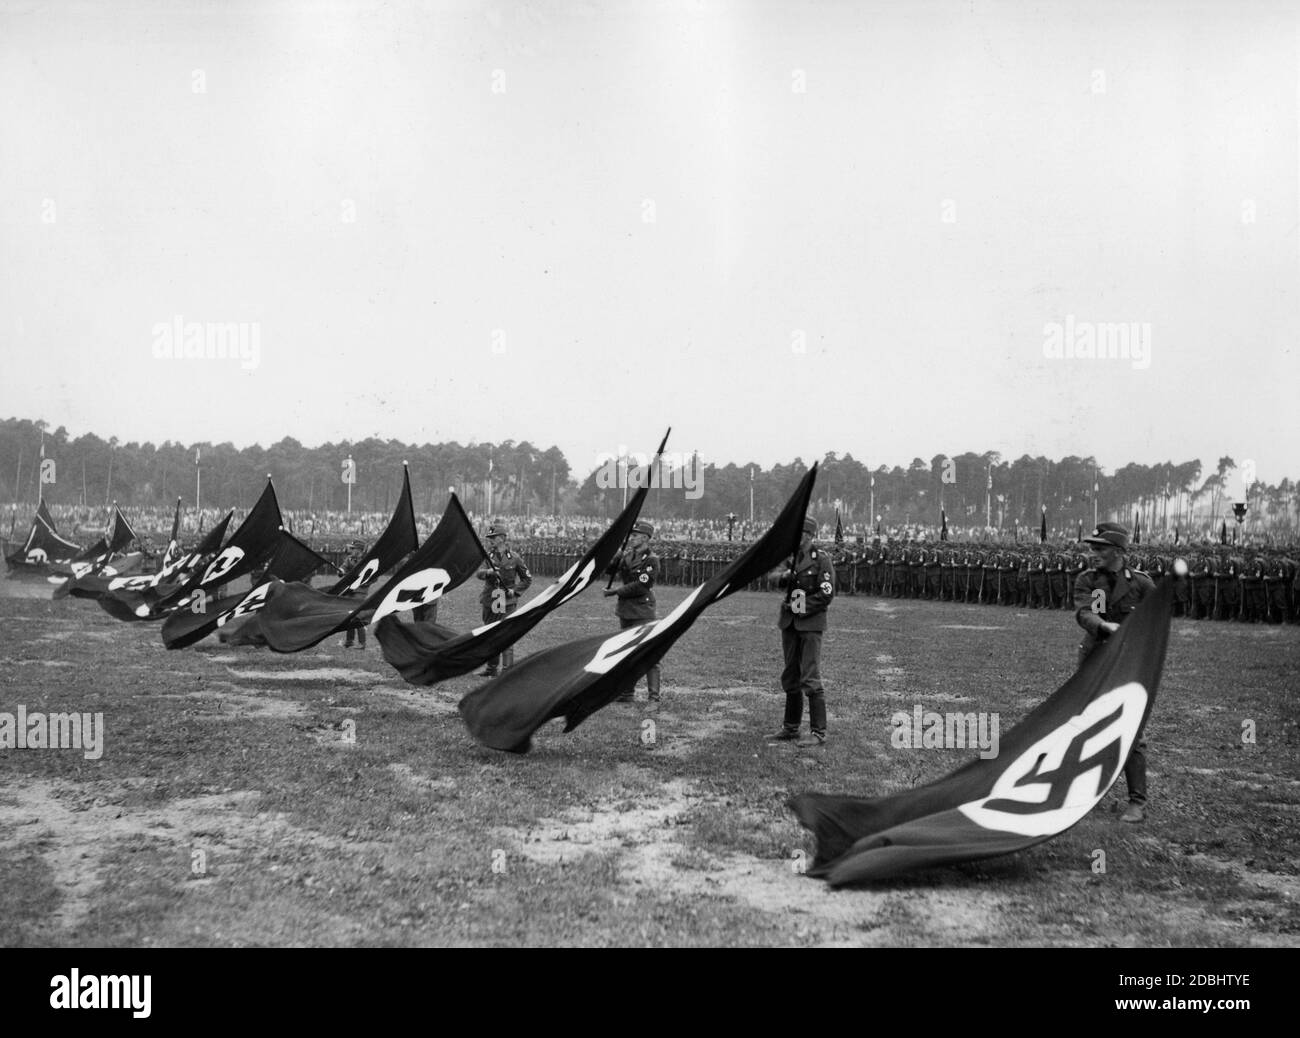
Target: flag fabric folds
141,601
1051,770
256,537
394,544
43,543
291,560
578,678
1042,528
297,617
426,653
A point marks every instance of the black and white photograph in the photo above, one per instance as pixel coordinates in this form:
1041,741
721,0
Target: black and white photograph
651,474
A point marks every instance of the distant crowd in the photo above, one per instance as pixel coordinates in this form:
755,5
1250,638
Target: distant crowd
1249,583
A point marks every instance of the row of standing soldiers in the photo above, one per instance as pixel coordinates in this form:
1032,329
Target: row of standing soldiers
1262,587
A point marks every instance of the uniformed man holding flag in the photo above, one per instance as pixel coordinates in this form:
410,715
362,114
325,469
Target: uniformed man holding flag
810,584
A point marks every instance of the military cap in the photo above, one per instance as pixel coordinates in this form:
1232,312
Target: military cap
356,545
810,526
1109,535
641,526
497,530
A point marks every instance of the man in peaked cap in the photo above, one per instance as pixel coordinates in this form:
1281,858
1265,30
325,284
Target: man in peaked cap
505,577
810,584
1103,597
637,568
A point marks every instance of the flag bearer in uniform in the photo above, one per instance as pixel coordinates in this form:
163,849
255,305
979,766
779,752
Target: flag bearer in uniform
1103,597
637,568
810,584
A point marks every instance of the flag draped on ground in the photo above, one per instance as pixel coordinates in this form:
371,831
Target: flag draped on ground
1051,770
291,560
576,679
426,653
296,617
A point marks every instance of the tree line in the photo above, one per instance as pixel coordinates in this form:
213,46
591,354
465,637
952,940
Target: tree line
519,478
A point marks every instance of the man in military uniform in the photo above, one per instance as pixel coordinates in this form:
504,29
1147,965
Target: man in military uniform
1103,597
1254,603
637,569
810,584
505,577
1205,581
1038,598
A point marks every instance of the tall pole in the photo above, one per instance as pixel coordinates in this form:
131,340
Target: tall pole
1096,488
873,496
988,498
18,478
751,496
109,489
198,484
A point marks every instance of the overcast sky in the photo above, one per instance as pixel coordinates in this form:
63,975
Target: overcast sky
783,228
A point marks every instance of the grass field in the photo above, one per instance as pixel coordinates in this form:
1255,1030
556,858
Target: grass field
246,798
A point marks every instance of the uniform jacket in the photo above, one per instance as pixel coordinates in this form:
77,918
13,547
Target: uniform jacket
814,575
1131,586
637,574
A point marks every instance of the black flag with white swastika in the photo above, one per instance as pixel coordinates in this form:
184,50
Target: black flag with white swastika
394,544
576,679
426,653
291,560
296,617
256,538
1048,773
134,599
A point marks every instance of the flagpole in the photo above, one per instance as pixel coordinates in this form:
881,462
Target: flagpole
198,484
751,495
988,499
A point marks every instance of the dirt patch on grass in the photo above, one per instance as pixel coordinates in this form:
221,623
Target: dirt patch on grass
353,677
422,700
649,839
227,701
